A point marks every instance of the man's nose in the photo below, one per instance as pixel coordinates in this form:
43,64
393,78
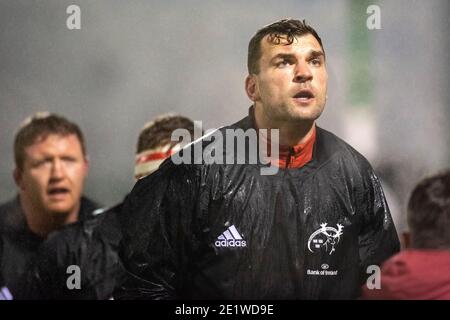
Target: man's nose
57,169
302,72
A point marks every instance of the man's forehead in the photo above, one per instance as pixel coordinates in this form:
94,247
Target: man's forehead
55,141
56,137
282,43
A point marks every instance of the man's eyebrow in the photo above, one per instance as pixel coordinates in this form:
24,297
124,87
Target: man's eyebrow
317,53
313,54
283,56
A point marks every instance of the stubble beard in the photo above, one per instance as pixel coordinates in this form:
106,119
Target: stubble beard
290,114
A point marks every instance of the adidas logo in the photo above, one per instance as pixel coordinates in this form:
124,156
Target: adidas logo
230,238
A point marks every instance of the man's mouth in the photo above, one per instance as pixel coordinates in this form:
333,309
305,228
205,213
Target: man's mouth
60,191
304,95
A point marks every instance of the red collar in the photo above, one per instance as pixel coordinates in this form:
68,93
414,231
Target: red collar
291,157
298,155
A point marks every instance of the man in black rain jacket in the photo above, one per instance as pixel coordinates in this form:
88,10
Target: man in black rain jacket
223,229
51,165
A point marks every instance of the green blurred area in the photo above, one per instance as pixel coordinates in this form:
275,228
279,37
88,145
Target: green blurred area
360,88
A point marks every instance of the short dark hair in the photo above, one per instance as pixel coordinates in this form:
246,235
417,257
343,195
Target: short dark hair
158,132
429,212
38,127
285,28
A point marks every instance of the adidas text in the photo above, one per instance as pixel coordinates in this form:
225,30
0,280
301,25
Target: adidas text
230,243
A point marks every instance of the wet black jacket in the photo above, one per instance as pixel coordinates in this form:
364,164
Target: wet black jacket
224,231
91,245
20,244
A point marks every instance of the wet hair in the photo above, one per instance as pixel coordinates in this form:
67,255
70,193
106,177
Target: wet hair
38,127
285,29
157,132
429,212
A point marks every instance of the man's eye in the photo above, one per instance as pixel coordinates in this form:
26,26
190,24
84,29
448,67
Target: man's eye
283,63
41,163
316,62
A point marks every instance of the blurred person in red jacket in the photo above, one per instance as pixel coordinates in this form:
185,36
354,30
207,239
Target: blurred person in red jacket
422,271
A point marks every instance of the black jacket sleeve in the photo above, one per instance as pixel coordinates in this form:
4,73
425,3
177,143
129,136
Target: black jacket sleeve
75,262
158,231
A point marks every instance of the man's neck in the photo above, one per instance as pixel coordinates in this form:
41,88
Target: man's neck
41,222
291,133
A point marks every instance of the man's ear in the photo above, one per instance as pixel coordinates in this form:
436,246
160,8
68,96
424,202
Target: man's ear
17,175
251,87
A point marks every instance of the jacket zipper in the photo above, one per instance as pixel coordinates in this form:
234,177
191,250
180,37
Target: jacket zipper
288,161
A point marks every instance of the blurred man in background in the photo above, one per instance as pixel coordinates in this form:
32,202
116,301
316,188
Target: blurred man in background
50,168
91,245
422,271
